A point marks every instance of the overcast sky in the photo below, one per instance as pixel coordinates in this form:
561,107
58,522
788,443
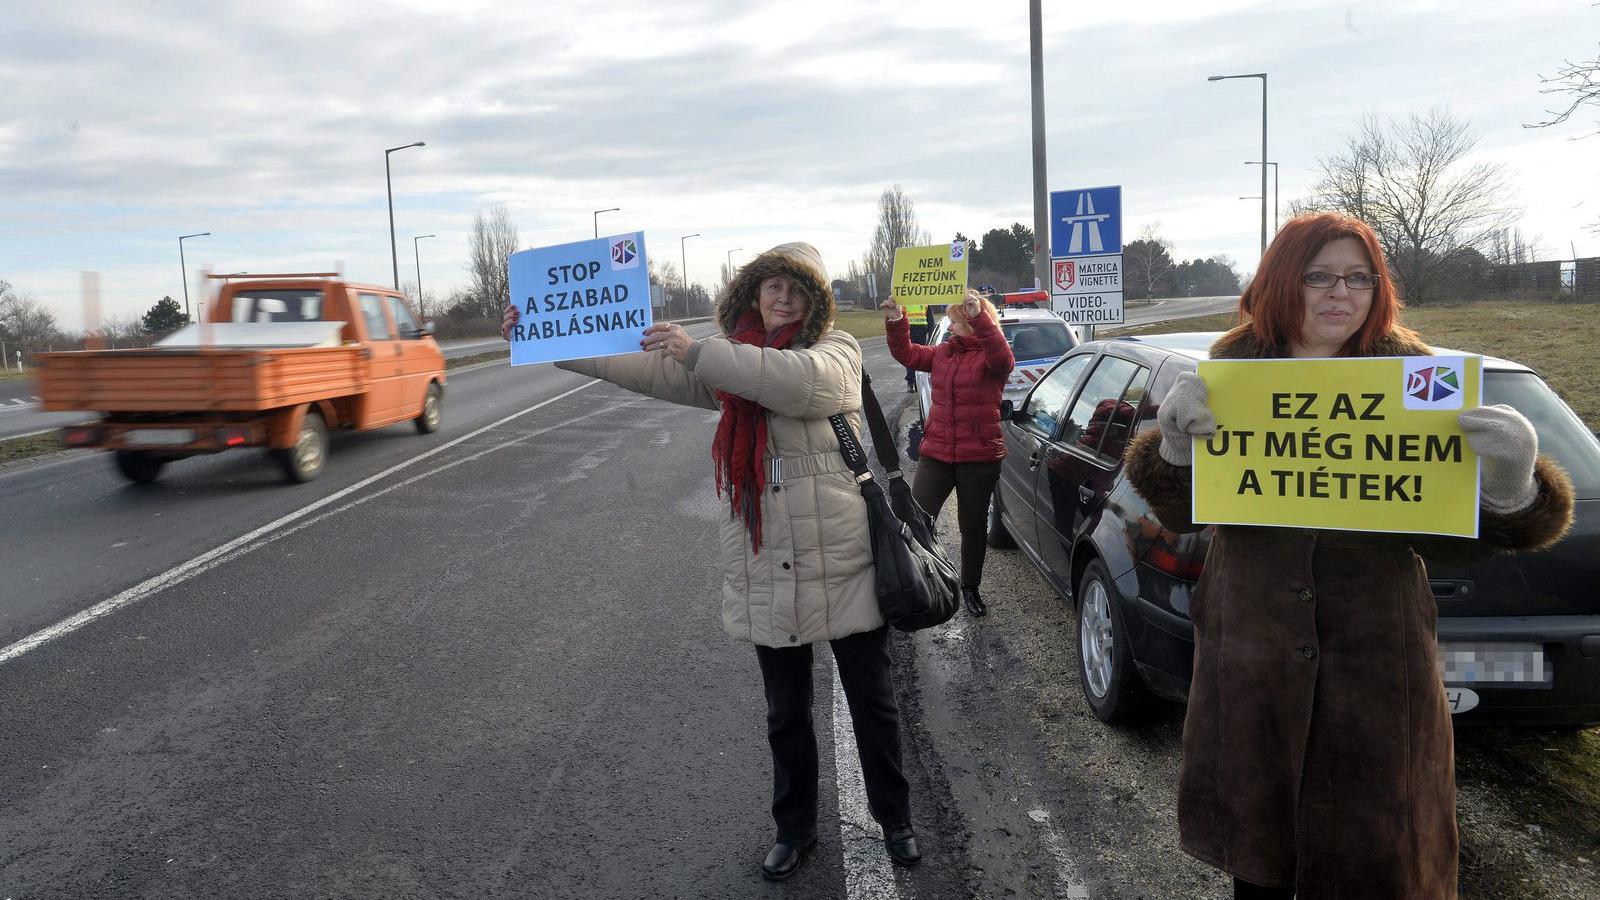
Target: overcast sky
124,124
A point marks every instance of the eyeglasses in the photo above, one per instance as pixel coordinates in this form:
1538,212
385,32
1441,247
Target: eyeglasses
1355,281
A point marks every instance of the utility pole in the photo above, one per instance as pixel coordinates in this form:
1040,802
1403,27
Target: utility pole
1041,183
394,257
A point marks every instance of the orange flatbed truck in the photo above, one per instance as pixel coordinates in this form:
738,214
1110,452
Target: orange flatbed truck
277,362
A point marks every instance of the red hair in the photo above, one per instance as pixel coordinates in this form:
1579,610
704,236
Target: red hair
1273,307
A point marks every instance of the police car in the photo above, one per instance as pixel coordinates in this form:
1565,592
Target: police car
1037,337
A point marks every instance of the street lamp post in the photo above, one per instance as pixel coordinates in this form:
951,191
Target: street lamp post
1263,77
394,257
1274,192
597,218
683,259
183,269
737,249
415,255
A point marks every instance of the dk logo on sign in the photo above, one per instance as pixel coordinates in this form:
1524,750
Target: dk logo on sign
624,253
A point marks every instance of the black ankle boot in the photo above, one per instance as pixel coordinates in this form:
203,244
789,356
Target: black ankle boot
901,842
784,859
969,595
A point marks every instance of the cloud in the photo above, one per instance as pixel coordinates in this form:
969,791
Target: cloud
126,124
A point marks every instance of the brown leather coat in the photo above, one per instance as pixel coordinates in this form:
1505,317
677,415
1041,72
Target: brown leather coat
1317,748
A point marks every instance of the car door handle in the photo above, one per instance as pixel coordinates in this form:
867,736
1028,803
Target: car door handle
1085,493
1033,458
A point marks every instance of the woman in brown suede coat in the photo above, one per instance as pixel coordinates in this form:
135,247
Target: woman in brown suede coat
1318,757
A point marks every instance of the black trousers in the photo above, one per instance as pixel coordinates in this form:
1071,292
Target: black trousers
863,661
973,483
1244,890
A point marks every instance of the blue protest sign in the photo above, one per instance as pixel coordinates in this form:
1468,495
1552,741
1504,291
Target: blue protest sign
587,298
1086,221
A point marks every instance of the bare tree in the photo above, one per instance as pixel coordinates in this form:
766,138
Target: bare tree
897,227
1148,267
1409,180
27,321
121,331
493,240
427,304
1579,81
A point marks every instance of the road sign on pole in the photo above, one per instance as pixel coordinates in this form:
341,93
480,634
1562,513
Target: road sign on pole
1086,255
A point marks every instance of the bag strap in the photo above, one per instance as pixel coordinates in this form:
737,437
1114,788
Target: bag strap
882,438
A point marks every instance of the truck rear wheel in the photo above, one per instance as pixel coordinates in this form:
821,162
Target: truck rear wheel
138,466
428,422
309,455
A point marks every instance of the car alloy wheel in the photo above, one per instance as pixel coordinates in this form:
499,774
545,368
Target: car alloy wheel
1094,638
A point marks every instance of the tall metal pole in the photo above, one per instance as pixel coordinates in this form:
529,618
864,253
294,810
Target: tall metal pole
394,256
1041,184
683,255
1275,205
1263,77
416,255
1263,164
597,218
183,269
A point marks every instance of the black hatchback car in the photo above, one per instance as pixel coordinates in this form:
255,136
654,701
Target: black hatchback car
1519,635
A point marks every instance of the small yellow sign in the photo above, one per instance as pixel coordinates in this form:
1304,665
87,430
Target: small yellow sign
1352,444
929,275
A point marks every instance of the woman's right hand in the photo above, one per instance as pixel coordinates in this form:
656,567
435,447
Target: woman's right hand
508,320
892,311
1183,416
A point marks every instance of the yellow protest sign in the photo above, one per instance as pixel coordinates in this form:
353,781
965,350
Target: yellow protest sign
1354,444
929,275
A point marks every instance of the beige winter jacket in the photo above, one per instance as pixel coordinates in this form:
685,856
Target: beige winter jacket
812,579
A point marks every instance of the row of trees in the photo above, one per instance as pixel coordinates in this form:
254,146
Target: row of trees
26,324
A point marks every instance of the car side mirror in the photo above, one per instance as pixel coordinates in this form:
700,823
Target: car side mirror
426,330
1008,410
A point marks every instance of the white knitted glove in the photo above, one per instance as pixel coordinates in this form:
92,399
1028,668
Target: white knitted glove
1184,415
1507,446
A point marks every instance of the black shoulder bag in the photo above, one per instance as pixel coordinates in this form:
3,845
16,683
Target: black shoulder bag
918,586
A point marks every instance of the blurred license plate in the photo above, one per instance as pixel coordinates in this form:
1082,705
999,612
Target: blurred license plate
1482,663
158,437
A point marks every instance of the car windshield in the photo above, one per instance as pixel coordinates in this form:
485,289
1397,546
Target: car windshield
1037,340
1031,340
277,306
1562,434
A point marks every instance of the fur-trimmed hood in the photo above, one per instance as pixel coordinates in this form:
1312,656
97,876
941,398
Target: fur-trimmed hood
1242,343
802,264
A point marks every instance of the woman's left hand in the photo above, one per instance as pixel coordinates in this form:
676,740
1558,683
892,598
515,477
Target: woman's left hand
972,307
1507,445
669,337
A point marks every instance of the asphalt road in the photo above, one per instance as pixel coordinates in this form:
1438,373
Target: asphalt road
489,662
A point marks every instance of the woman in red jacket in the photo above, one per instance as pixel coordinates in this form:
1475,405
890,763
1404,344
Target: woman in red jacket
961,442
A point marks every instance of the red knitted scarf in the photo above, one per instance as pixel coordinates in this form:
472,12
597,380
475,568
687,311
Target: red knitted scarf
742,433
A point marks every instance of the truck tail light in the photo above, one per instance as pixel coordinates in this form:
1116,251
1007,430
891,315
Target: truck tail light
233,437
80,436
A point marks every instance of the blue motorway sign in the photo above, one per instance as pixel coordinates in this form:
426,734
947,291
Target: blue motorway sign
1086,221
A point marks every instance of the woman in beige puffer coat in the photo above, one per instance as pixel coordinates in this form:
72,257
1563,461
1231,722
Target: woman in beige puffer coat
795,550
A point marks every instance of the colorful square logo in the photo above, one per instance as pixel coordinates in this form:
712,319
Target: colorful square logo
624,253
1434,382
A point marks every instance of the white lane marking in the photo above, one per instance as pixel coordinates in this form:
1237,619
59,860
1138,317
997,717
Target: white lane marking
231,549
867,869
1056,846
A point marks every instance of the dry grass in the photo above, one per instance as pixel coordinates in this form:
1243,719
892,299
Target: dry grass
1555,339
30,446
863,323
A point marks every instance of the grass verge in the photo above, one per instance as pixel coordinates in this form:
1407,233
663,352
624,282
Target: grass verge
863,323
31,446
